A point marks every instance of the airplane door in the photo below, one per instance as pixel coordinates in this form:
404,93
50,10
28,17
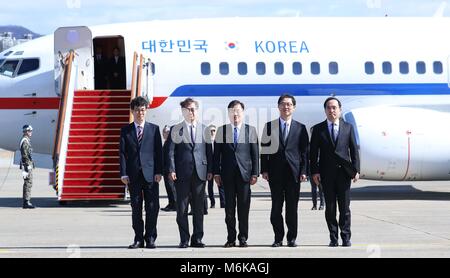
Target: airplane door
78,39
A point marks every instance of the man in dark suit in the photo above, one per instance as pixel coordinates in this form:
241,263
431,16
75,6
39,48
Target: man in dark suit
212,129
190,158
283,164
236,167
334,163
141,168
101,69
117,76
170,187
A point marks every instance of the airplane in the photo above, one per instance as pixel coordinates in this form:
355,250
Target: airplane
391,74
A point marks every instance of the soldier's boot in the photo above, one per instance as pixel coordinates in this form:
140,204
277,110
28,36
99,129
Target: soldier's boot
28,205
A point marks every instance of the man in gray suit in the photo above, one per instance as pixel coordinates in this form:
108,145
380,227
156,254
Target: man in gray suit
190,158
236,167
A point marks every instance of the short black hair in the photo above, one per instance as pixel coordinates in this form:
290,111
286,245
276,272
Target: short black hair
138,102
283,96
234,103
185,103
331,98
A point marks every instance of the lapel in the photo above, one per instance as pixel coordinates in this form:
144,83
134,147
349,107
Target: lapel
341,131
242,136
291,129
134,133
328,134
198,134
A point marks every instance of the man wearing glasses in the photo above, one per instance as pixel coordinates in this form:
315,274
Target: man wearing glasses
190,166
283,164
141,168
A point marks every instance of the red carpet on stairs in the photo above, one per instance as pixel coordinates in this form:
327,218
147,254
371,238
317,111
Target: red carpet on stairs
92,164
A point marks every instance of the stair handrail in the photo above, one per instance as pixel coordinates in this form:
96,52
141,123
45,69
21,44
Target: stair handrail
139,84
63,105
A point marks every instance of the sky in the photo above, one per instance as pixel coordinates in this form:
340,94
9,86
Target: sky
45,16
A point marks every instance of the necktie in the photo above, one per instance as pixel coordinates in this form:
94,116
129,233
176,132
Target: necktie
192,134
140,135
284,133
332,133
235,137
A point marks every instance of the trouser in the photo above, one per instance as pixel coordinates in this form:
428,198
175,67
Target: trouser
170,189
337,188
314,194
143,191
237,193
284,189
211,194
196,188
27,185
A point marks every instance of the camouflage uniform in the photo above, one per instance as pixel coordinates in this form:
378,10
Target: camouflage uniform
27,165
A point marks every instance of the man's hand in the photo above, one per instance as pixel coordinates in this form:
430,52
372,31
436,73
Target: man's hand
265,176
218,180
157,178
253,180
356,178
316,179
173,176
24,175
125,180
303,178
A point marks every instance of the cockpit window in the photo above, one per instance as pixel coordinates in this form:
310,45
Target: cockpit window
28,65
9,67
1,61
18,53
8,53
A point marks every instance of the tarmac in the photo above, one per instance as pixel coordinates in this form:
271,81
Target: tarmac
389,220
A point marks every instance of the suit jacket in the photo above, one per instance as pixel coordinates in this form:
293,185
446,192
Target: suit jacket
326,156
274,152
186,157
245,155
148,156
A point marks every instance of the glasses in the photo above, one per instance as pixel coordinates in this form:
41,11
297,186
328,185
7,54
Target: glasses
192,110
142,110
288,104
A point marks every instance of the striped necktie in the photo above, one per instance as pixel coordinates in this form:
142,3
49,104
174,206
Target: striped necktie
140,134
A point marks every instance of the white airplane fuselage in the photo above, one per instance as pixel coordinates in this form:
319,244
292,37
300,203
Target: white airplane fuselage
391,75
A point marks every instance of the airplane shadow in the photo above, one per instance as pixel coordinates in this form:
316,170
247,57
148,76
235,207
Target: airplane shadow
50,202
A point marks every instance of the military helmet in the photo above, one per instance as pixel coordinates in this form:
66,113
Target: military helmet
26,128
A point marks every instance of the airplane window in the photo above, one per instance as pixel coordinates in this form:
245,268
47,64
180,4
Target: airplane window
9,67
206,68
297,68
333,68
420,67
260,68
242,68
369,67
387,68
224,68
315,68
18,53
28,65
437,67
404,67
279,68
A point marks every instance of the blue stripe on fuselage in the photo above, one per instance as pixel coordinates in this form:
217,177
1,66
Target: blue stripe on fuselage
225,90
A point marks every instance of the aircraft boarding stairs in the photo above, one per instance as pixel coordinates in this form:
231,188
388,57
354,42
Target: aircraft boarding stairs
86,155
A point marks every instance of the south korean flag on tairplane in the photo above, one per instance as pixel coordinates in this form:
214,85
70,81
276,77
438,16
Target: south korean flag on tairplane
232,45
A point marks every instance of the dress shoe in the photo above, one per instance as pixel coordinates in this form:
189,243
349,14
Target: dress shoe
292,243
183,245
333,244
321,207
243,243
346,243
229,244
277,244
205,212
212,206
314,208
150,244
198,244
190,213
28,205
136,245
168,208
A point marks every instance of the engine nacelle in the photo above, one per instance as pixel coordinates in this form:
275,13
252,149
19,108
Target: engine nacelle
402,143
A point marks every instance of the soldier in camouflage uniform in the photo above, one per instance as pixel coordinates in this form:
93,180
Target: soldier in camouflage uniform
27,165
